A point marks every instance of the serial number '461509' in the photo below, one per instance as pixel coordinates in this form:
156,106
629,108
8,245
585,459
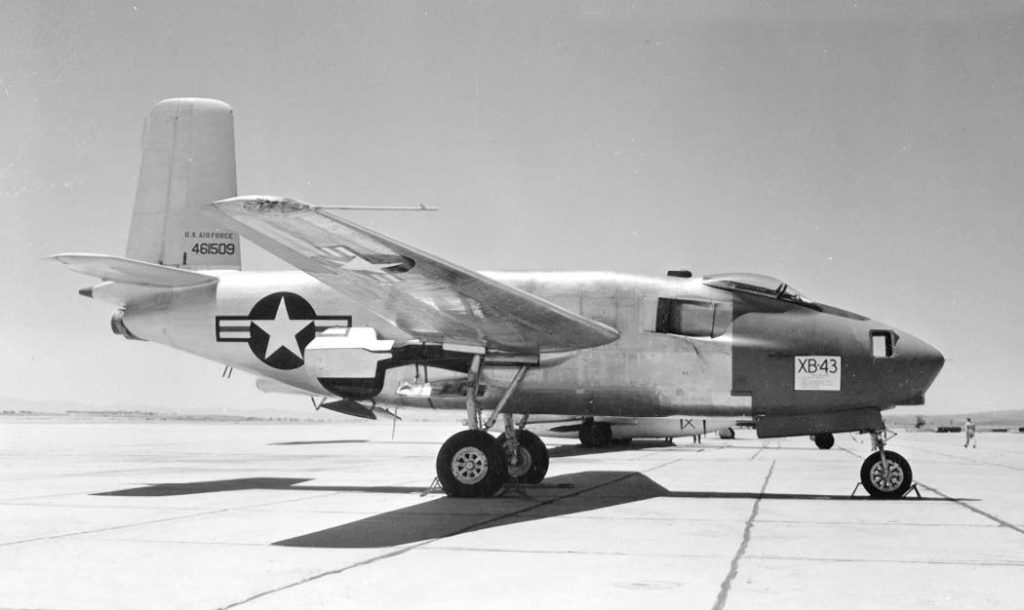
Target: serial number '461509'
213,248
817,373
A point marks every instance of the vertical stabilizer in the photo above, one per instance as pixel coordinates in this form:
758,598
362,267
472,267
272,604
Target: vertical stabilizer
188,161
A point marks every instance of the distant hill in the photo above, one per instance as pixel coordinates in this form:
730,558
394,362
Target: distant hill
63,407
1012,419
304,413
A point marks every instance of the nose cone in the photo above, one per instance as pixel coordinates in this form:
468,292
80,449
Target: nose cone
918,363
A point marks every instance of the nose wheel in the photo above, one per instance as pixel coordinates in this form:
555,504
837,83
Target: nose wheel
885,474
888,478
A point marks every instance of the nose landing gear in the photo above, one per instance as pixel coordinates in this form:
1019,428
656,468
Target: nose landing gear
885,474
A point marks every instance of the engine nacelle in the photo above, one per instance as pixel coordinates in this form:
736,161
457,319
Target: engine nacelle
349,362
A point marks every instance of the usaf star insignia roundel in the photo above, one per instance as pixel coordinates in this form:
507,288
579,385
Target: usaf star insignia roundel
278,328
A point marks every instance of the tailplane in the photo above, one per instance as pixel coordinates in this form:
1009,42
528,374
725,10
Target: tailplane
117,269
188,161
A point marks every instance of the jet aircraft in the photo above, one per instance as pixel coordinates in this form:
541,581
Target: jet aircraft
603,431
363,308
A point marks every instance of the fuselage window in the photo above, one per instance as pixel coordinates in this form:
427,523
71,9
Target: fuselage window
681,317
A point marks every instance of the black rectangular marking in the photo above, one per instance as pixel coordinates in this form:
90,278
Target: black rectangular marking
234,323
325,322
240,324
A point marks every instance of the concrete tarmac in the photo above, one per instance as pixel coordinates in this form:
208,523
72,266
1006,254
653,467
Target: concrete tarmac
101,514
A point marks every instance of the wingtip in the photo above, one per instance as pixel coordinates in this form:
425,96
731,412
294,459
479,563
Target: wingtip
63,258
262,204
203,103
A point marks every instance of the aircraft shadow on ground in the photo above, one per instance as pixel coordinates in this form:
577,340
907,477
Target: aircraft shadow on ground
203,487
445,517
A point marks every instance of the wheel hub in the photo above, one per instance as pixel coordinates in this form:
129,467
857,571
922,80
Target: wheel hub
523,465
469,465
887,477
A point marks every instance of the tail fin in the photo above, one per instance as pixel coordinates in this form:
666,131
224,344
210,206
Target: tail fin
188,161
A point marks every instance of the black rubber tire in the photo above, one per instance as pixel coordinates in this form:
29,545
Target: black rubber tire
727,434
826,440
534,464
594,434
471,464
895,484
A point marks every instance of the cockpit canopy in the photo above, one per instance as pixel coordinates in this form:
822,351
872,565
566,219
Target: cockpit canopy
753,283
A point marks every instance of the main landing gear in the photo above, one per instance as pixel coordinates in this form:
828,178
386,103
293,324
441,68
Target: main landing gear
470,464
474,464
885,474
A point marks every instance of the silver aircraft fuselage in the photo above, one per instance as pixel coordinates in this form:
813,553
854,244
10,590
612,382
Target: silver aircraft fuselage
746,359
367,321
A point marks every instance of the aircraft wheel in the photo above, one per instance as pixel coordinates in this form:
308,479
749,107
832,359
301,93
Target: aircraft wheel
593,434
533,458
891,482
727,434
471,464
825,440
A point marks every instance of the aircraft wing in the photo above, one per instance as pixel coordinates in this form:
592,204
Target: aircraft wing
427,297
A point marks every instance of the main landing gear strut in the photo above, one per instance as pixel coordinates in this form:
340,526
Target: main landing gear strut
885,474
473,464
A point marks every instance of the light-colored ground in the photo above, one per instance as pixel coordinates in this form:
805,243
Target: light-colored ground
331,515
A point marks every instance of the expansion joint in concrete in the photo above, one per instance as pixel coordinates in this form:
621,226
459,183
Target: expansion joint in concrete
723,592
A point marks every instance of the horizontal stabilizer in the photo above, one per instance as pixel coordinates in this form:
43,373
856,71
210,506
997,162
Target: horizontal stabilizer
117,269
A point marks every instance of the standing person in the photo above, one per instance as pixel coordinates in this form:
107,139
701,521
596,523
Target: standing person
971,438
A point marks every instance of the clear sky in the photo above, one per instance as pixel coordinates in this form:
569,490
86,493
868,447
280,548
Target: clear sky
867,153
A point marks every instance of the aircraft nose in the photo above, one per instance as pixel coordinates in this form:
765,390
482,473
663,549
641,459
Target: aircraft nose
920,362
